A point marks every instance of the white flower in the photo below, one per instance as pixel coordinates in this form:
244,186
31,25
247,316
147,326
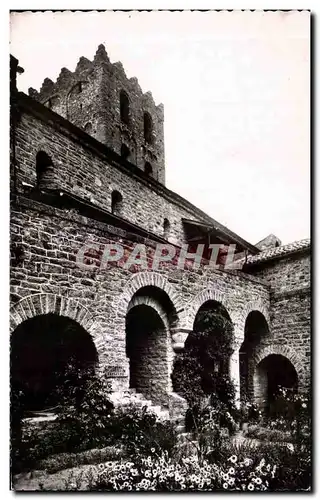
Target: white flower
233,459
250,487
258,480
231,470
225,486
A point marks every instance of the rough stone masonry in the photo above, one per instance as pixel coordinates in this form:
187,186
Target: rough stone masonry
87,168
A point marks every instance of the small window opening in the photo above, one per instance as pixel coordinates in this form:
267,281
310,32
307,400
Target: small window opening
125,152
124,107
116,202
166,228
148,168
44,170
88,128
147,123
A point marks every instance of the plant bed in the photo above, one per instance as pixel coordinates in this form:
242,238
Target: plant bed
266,434
62,461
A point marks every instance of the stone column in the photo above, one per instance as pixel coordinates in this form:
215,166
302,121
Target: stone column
234,371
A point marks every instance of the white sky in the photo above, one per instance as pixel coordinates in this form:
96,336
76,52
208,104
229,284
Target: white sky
236,93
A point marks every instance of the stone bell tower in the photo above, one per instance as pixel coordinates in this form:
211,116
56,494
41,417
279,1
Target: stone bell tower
99,98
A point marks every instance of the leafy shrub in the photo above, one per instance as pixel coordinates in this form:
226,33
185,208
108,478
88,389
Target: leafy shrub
293,465
83,420
85,407
202,369
265,434
250,412
142,432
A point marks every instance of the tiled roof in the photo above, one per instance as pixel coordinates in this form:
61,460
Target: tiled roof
273,253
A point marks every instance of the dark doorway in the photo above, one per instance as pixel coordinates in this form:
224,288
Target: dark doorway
275,372
256,328
44,351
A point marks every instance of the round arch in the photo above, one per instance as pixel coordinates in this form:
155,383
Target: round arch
209,294
283,350
141,280
48,352
255,305
44,303
271,373
150,317
150,302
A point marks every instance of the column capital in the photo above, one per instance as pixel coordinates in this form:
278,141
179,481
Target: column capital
179,337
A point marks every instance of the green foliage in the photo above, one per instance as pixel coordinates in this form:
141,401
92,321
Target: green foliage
250,412
201,375
83,420
266,434
202,368
85,407
142,433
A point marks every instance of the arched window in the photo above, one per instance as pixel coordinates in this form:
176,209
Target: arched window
147,127
116,202
166,228
88,128
124,107
125,152
44,170
148,168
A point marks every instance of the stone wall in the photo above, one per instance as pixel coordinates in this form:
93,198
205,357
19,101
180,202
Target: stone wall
46,278
290,310
80,172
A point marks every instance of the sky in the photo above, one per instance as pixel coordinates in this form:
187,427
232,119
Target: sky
236,93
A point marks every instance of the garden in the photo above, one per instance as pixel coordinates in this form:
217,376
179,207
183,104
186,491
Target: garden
93,445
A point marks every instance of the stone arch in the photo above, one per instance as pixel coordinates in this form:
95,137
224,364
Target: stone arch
140,280
275,366
255,305
150,302
255,332
201,298
44,303
149,307
284,350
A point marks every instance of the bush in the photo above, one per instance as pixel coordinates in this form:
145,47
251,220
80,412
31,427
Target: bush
83,421
63,461
142,432
85,407
249,412
202,369
265,434
292,464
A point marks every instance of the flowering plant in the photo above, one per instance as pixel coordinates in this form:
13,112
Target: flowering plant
161,473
